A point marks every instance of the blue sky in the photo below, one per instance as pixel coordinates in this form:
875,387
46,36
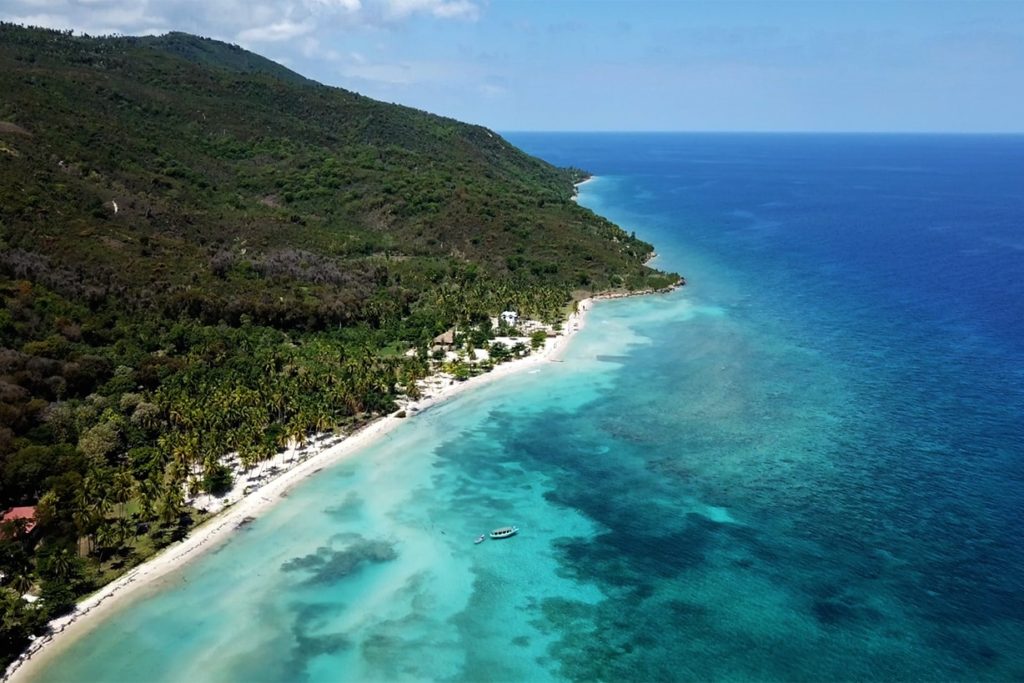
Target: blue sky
670,65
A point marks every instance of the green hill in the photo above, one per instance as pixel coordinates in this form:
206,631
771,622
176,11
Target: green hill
204,252
218,55
208,151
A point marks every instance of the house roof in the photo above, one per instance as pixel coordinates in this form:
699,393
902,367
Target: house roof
446,337
27,512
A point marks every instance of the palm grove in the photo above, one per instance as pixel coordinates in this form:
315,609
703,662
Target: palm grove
202,253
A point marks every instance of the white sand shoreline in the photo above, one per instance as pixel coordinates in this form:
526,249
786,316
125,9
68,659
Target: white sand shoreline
216,530
578,185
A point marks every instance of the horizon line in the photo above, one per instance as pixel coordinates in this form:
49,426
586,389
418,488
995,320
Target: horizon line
763,132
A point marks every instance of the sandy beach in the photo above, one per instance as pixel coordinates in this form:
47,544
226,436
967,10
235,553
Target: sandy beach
216,530
576,194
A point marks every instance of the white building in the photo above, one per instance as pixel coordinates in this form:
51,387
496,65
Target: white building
510,318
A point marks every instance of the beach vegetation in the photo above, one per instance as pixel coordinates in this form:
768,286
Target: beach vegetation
500,352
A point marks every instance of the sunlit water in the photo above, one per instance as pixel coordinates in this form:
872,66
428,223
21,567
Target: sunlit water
806,465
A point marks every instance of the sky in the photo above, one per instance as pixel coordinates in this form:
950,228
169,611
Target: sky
555,65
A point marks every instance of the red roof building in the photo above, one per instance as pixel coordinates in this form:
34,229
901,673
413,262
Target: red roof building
27,513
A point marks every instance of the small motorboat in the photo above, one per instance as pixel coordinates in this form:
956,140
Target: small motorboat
504,532
479,539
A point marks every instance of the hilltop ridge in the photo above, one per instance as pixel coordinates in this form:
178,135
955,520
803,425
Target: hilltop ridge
221,55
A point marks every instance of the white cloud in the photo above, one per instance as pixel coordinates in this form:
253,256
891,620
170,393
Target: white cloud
42,4
249,21
492,90
55,21
150,31
309,47
397,73
350,6
442,9
354,43
276,32
457,10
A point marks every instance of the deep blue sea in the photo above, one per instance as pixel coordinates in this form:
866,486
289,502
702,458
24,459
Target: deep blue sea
807,464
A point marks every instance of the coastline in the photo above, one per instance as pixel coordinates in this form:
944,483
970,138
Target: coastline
436,389
218,529
577,186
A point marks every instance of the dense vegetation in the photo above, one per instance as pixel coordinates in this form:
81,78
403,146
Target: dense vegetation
203,252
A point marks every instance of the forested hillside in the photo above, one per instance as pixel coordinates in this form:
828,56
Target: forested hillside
203,252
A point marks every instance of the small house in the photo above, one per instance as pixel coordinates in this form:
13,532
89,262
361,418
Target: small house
510,318
445,339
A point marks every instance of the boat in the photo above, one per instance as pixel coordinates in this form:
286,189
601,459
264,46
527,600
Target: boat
505,532
479,539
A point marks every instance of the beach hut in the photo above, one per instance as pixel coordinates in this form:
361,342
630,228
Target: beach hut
445,339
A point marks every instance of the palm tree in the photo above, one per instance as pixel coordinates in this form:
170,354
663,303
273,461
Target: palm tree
86,515
124,530
60,565
322,421
296,431
22,581
149,490
106,536
96,488
122,489
169,507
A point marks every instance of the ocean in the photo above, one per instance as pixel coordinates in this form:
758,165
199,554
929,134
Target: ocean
807,464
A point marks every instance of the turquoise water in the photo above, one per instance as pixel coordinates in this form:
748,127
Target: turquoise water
807,464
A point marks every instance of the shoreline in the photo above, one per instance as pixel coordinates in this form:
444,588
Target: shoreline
585,180
576,186
218,529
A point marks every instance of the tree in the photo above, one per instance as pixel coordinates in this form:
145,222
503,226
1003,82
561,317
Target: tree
122,489
147,415
217,477
460,371
500,352
22,581
169,507
59,564
124,530
15,562
106,536
149,492
100,441
25,471
15,622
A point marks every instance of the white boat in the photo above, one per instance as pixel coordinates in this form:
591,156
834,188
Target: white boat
504,532
479,539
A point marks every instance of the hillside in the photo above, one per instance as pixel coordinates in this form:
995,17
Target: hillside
222,164
203,252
